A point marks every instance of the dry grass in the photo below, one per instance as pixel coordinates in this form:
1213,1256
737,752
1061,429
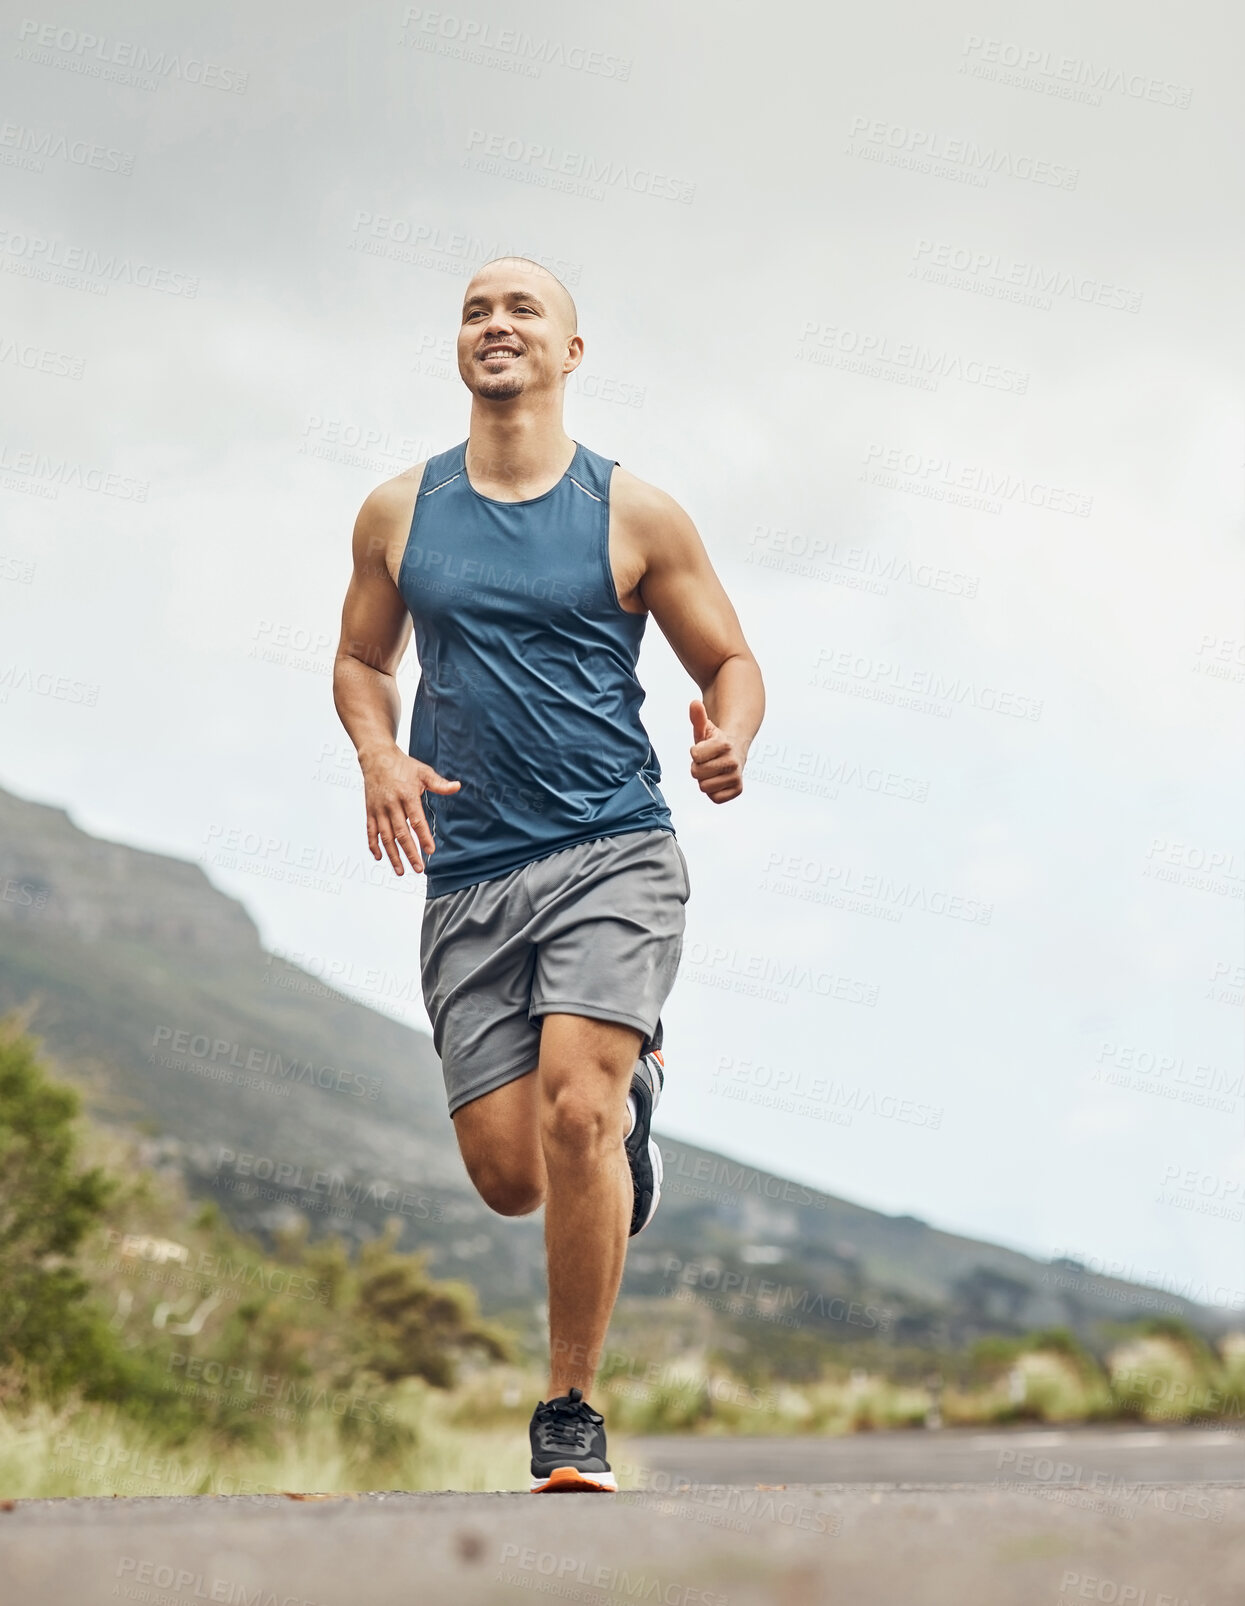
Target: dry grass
474,1437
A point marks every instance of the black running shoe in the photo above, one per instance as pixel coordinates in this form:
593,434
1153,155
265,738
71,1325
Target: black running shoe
643,1154
568,1447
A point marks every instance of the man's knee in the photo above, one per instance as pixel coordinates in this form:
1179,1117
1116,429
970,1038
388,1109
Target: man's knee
507,1194
498,1142
513,1199
580,1118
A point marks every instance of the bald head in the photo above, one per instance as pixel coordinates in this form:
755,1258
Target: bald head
517,336
552,289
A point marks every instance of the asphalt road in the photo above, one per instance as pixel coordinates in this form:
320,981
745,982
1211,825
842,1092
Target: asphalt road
1026,1537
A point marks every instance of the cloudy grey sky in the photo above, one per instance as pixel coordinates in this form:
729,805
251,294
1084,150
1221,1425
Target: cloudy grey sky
932,324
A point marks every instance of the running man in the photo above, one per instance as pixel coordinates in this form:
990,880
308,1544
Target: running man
527,567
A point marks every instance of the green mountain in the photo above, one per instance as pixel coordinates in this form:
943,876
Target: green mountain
275,1094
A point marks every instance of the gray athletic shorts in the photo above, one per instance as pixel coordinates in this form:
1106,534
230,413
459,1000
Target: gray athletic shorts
595,929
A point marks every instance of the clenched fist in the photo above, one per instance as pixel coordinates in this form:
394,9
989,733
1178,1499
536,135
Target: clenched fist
717,759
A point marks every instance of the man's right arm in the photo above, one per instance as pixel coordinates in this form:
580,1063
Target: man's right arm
376,628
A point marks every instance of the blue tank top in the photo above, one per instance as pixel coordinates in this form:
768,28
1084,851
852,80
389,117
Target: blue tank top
528,692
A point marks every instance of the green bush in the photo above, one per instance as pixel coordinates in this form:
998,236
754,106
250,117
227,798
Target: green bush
50,1332
115,1289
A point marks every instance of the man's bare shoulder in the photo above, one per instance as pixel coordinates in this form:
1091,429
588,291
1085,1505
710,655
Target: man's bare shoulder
654,526
638,500
393,497
384,521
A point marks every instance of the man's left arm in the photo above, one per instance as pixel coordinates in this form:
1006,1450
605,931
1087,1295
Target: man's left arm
683,593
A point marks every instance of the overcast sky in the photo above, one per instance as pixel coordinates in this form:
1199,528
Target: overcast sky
933,329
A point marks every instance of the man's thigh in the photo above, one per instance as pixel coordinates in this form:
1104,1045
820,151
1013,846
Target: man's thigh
499,1133
477,965
594,1058
594,931
608,930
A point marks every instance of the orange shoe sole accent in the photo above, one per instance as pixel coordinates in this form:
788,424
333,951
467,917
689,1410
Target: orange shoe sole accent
563,1479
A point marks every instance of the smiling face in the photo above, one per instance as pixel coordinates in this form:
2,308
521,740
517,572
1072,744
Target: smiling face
518,331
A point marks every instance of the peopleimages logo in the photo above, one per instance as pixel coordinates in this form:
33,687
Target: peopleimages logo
579,165
262,1061
723,965
426,29
735,1177
833,343
60,473
921,147
1063,75
79,266
770,1298
997,485
40,359
42,683
30,147
802,769
484,575
122,60
860,674
969,267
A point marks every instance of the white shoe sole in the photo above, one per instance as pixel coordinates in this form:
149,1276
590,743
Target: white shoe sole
566,1480
654,1154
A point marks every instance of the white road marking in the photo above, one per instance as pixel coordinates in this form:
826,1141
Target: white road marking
1130,1441
988,1441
